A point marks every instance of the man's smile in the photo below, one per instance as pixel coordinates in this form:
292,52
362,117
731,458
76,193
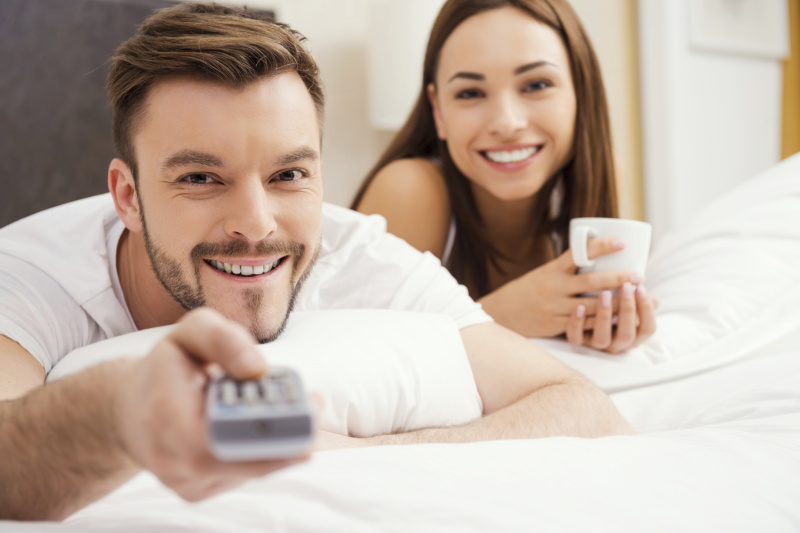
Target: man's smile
245,269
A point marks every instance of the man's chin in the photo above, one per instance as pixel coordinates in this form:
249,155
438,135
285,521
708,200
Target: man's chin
264,325
264,335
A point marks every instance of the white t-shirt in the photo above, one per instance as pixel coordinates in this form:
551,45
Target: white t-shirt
59,288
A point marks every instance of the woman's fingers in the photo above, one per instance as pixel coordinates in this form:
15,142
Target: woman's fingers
594,248
576,325
594,282
602,334
647,314
625,334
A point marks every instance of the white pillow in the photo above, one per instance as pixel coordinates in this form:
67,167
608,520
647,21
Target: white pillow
377,371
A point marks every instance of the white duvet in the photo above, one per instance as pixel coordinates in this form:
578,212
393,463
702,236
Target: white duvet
715,396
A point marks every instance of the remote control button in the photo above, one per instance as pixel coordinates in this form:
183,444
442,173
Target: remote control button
293,391
250,392
228,393
271,392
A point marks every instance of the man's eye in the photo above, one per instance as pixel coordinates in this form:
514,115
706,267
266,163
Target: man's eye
197,179
468,94
290,175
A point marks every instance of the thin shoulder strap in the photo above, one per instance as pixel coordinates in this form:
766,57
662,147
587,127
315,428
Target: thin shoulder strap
451,240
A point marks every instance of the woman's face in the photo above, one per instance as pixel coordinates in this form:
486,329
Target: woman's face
504,102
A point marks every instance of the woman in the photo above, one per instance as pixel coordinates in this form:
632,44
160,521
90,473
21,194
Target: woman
508,141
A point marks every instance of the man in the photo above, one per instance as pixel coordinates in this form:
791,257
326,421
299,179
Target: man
215,207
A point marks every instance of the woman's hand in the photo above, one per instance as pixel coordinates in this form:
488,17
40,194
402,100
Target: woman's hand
548,301
634,322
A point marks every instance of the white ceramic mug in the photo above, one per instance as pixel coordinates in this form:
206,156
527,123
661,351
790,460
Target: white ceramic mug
632,258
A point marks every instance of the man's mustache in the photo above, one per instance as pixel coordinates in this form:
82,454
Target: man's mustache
240,248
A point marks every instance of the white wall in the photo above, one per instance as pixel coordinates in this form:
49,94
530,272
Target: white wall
710,119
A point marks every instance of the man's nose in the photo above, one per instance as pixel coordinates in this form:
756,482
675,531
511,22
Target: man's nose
508,117
251,213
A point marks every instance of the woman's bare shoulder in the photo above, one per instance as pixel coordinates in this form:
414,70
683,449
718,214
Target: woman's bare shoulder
412,196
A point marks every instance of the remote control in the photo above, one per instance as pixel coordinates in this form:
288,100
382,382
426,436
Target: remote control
252,420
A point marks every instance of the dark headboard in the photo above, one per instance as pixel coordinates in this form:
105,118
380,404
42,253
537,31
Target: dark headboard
55,124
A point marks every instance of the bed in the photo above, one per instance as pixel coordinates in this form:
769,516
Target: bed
714,396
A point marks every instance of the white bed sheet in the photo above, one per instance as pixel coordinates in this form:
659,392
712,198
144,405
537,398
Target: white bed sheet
723,455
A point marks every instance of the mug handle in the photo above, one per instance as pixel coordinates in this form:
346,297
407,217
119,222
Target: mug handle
580,256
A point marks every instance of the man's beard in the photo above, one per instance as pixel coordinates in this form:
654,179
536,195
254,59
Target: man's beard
169,274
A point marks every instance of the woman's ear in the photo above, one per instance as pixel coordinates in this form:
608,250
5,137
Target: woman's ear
437,112
123,191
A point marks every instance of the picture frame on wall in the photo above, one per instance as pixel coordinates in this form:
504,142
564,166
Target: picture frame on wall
758,28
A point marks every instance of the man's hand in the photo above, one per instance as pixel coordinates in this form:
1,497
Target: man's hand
66,444
161,411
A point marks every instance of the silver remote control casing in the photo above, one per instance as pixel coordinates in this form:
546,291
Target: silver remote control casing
258,420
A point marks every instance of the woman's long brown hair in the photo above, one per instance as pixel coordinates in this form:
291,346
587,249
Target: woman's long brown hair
585,187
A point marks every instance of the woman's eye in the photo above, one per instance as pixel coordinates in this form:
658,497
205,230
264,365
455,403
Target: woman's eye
468,94
537,86
197,179
290,175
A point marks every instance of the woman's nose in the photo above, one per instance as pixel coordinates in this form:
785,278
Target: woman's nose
508,117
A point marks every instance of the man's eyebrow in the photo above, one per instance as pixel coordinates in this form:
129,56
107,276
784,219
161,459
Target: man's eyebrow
519,70
305,153
191,157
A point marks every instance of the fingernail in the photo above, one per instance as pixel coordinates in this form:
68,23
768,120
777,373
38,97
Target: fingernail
605,298
637,278
627,290
614,320
618,244
641,291
580,311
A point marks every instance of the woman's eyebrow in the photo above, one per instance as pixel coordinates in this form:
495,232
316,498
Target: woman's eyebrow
468,76
519,70
534,65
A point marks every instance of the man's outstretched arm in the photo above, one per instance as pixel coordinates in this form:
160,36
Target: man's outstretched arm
66,444
526,393
60,446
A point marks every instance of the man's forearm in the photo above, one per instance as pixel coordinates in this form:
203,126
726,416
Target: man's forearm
60,448
576,408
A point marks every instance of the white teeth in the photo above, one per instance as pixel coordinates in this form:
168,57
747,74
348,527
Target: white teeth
511,156
243,270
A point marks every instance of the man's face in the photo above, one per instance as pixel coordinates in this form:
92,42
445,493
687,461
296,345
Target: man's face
230,191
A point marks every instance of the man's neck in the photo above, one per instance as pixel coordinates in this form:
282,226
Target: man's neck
149,303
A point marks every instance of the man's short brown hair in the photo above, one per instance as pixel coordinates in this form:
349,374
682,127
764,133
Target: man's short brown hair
231,45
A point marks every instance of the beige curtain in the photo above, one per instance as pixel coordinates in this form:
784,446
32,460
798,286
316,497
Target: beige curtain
791,86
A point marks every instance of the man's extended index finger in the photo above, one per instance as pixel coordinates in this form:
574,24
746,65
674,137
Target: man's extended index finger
210,337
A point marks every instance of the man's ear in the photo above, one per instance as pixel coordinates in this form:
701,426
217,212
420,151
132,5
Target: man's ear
123,191
437,113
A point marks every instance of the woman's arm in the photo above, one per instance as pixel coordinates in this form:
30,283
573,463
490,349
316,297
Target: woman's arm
412,196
